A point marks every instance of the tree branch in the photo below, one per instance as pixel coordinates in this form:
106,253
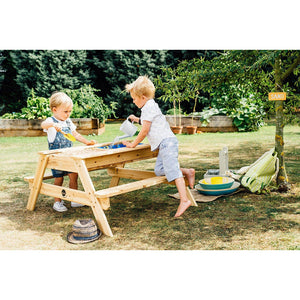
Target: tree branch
291,68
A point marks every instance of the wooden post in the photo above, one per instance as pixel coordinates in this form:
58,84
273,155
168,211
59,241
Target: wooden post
37,182
90,190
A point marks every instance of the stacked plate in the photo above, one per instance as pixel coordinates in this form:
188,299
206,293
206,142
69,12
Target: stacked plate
216,186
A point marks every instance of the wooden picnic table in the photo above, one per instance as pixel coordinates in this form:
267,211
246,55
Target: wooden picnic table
84,159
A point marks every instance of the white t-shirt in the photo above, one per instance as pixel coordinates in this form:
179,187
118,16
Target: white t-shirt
160,128
51,132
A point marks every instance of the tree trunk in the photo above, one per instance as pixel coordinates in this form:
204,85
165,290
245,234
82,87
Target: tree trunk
282,179
174,107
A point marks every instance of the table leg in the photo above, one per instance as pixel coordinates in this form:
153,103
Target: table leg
37,182
90,190
116,179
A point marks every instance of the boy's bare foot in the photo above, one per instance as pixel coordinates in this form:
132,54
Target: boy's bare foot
183,206
190,175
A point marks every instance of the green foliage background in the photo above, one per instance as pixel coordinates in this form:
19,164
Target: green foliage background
107,71
237,81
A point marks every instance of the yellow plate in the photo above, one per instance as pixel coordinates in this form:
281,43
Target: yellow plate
216,180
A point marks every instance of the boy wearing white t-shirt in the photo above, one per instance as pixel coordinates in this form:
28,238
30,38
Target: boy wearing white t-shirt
61,106
160,136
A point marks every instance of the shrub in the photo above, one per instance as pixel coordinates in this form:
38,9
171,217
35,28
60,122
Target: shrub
209,112
248,116
88,105
37,108
124,66
49,70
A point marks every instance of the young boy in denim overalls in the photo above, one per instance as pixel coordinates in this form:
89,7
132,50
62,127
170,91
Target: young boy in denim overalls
61,106
160,136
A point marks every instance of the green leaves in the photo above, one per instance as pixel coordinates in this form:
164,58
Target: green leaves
49,70
121,67
209,112
224,77
37,108
87,104
248,116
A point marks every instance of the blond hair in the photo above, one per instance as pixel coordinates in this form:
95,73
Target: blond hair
59,98
143,86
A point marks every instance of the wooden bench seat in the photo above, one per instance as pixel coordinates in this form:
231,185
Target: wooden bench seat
132,186
31,178
105,194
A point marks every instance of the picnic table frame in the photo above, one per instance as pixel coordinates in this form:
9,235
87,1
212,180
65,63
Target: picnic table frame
84,159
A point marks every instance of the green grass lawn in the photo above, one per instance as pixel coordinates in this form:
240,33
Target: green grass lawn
144,219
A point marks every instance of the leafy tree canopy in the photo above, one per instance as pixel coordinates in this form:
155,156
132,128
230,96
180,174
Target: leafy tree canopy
262,71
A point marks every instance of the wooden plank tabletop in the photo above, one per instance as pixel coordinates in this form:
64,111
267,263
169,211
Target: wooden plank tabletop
84,152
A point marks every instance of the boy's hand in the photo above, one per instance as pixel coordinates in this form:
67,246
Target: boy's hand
57,127
133,118
128,144
91,142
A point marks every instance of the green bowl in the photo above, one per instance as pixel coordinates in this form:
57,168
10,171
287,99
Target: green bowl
212,183
230,190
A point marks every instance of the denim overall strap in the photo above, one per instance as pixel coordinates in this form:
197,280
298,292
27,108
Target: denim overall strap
60,141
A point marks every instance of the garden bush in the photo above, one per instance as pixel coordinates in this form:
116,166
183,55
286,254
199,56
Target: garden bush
247,116
37,108
209,112
86,104
124,66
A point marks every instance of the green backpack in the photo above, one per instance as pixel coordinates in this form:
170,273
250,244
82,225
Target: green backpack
259,175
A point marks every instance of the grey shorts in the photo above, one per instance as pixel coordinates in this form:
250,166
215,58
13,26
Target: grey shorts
167,160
